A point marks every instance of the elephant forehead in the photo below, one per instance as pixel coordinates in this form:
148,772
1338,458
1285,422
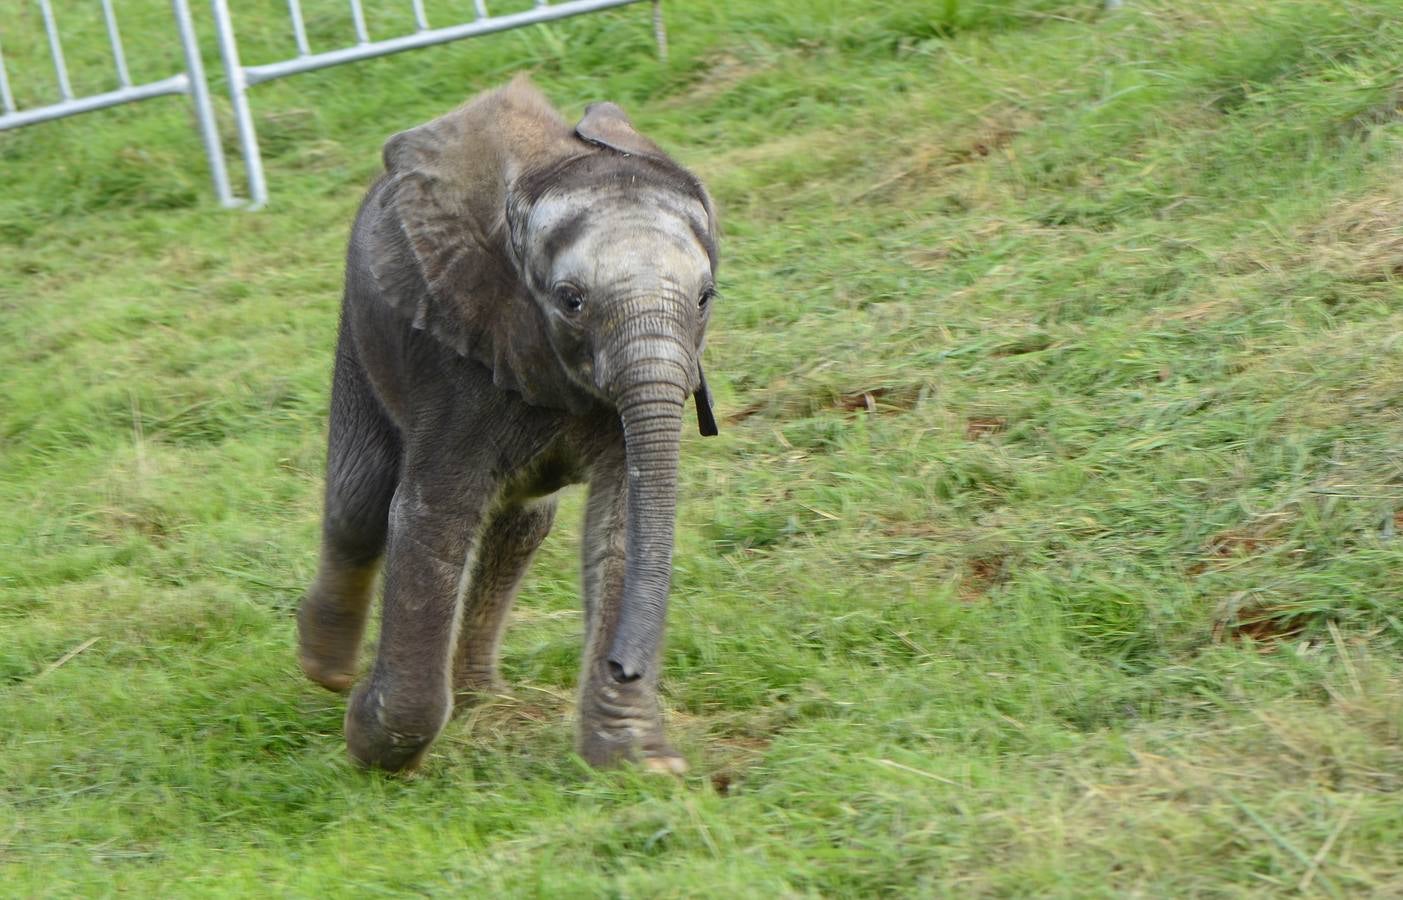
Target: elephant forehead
573,212
617,225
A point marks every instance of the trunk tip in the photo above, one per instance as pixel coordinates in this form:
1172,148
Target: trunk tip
623,674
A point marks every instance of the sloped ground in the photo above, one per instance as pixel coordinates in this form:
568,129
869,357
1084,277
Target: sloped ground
1051,546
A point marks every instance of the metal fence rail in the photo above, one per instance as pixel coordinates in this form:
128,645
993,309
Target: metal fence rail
241,77
191,82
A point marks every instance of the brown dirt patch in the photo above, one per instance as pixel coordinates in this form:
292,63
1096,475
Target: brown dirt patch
1238,543
981,575
981,427
1265,626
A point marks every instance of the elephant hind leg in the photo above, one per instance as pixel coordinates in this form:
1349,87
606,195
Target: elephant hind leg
363,464
508,542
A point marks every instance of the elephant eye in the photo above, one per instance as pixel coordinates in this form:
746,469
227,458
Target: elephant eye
706,297
569,298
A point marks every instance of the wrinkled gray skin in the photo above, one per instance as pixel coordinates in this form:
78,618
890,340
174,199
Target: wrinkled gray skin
525,308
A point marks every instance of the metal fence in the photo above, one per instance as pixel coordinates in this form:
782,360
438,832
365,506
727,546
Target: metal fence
191,82
241,77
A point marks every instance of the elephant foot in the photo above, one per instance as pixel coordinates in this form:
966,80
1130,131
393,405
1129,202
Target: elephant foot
382,736
332,676
670,764
615,731
473,686
604,750
328,644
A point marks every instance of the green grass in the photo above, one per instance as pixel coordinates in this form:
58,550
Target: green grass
1103,596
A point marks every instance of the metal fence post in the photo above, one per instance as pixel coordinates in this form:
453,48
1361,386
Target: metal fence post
204,110
299,30
65,90
114,38
238,97
660,30
7,100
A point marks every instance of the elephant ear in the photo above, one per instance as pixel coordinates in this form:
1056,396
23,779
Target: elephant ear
441,253
606,125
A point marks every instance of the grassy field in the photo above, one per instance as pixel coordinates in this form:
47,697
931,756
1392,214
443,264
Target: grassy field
1053,545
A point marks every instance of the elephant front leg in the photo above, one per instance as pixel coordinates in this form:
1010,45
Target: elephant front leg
394,715
508,542
363,456
618,722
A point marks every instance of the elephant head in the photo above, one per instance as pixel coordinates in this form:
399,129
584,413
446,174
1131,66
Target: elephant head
578,265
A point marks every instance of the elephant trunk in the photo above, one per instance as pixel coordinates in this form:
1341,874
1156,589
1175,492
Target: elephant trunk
650,407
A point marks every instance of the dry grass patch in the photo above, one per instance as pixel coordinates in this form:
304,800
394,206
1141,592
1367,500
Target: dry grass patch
723,73
1360,239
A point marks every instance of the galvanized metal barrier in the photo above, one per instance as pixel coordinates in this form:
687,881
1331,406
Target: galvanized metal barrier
191,82
242,77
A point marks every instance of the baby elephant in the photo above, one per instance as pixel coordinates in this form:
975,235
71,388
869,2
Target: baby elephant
525,308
